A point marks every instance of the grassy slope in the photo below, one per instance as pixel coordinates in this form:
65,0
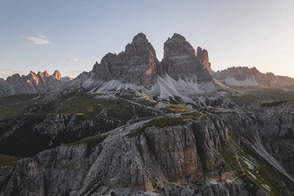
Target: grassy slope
245,159
6,160
13,106
267,97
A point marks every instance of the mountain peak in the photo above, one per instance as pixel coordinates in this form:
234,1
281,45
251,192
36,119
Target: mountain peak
46,74
136,65
202,55
177,45
32,73
180,60
245,76
57,75
179,37
140,37
32,83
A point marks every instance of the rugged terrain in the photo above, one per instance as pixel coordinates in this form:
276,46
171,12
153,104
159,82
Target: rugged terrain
32,83
137,126
244,76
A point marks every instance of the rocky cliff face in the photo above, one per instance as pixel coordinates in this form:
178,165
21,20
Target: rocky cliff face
189,154
169,132
202,55
32,83
138,64
180,60
244,76
175,160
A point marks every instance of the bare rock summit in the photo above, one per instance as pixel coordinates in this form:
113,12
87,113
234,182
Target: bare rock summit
136,65
32,83
180,60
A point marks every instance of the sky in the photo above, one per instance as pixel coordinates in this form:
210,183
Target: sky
70,36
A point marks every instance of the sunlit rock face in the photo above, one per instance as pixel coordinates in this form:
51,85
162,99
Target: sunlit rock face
180,60
32,83
202,55
138,64
170,159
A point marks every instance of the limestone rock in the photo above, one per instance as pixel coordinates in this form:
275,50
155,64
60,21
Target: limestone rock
138,64
202,55
169,160
32,83
57,75
245,76
180,60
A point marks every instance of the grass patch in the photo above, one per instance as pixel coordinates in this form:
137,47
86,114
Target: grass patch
146,100
166,121
273,103
177,108
95,108
91,142
13,106
161,122
196,116
6,160
242,99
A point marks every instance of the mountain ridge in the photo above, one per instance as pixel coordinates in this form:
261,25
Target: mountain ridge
138,66
246,76
137,126
33,83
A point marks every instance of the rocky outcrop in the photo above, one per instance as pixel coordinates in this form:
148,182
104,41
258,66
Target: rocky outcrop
32,83
35,134
57,75
138,64
158,148
202,55
5,88
272,128
244,76
180,60
174,160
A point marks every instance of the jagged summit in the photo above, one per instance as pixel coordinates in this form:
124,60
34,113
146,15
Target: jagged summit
139,65
179,74
31,83
202,55
177,45
177,36
245,76
140,37
180,60
57,75
136,65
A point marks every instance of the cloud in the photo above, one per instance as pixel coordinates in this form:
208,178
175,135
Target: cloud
73,59
38,40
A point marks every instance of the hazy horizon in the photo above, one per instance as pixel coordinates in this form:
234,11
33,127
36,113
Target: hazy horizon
71,37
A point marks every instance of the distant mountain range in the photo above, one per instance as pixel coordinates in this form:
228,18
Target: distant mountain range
244,76
182,71
32,83
134,125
